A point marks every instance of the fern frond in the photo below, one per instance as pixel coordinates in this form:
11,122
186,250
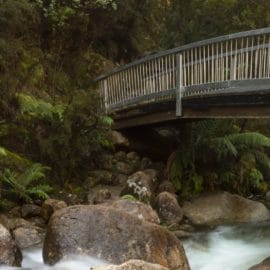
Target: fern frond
262,158
39,108
249,140
33,173
223,147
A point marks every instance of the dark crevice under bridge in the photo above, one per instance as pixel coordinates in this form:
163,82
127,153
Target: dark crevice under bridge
227,76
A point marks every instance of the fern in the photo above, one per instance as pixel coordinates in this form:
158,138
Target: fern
249,140
23,185
39,108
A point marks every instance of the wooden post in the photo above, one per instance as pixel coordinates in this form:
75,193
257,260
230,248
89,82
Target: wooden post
179,84
106,95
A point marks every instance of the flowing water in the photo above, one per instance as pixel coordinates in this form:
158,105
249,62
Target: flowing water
229,248
226,248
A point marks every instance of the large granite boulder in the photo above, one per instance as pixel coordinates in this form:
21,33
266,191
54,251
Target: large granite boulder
112,235
133,265
168,208
10,254
265,265
137,209
224,208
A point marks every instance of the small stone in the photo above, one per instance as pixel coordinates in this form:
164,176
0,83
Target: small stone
168,208
27,237
124,168
267,196
102,196
133,265
182,234
30,210
166,186
50,206
119,139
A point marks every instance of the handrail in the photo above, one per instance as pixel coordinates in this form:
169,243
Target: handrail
177,73
192,45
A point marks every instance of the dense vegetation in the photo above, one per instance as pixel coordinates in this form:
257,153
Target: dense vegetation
52,129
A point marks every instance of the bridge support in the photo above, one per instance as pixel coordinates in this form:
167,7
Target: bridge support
179,84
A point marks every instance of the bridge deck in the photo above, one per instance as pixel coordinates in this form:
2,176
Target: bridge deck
221,77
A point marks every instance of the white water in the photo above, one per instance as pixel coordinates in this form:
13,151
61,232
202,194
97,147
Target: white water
32,259
229,248
226,248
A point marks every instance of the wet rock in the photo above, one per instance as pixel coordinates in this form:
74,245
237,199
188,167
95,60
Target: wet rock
110,234
124,168
182,234
30,210
137,209
166,186
10,254
121,179
50,206
141,185
265,265
224,208
133,265
168,208
145,163
120,156
102,196
119,139
98,177
133,157
28,236
267,196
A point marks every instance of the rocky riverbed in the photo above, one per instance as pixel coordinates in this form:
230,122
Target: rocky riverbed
129,210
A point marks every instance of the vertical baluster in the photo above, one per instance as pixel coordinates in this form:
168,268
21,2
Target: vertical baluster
251,58
226,63
268,58
256,62
153,76
221,62
192,67
212,66
236,65
264,57
247,58
187,65
260,57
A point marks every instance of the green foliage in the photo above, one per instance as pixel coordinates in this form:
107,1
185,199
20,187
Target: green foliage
235,159
129,197
39,108
24,185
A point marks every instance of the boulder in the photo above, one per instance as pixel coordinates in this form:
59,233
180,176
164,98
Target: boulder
112,235
133,265
167,186
267,196
30,210
124,168
119,139
10,254
102,196
141,185
137,209
50,206
28,236
168,208
265,265
224,208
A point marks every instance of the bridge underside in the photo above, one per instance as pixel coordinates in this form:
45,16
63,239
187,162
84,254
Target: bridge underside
238,105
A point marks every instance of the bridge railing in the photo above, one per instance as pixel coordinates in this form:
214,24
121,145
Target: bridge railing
199,68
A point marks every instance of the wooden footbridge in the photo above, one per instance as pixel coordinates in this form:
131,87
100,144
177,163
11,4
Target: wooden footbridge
227,76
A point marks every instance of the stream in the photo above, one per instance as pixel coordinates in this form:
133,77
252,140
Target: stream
226,248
